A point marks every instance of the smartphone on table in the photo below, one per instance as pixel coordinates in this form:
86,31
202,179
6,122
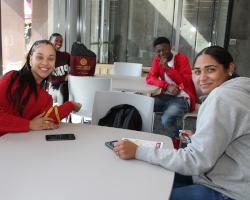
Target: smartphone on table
59,137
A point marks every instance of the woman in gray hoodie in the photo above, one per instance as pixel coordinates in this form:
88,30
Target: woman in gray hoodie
217,161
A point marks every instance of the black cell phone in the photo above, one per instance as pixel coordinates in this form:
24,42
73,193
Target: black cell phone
68,136
110,144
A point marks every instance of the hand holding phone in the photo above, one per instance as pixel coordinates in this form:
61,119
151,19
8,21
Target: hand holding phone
110,144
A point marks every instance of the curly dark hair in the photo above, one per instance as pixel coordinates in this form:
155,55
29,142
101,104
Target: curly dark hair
54,35
161,40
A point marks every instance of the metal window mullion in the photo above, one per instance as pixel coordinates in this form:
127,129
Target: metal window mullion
197,29
178,24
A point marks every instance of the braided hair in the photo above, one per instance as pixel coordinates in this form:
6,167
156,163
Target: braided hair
25,79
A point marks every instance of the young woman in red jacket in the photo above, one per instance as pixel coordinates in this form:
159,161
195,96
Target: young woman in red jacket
25,104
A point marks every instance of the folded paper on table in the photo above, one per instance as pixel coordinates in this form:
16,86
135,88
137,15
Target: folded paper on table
147,143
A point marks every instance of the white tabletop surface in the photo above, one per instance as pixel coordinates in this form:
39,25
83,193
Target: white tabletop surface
32,168
132,84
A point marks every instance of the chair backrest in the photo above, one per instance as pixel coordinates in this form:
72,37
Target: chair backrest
105,100
82,89
127,69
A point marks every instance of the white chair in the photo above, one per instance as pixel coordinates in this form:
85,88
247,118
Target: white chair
127,69
105,100
82,89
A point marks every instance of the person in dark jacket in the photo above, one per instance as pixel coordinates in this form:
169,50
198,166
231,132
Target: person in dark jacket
58,79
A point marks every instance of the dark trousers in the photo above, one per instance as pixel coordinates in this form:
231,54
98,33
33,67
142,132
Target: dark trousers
64,91
173,108
184,188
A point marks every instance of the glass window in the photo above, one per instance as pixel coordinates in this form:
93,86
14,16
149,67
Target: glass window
116,30
203,23
22,23
27,23
13,43
139,23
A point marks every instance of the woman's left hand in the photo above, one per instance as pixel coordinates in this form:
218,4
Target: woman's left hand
173,89
41,122
125,149
77,106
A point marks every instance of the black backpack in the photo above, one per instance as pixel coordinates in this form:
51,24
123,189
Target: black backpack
122,116
79,49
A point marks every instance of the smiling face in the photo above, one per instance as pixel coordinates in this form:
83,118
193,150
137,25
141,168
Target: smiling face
163,50
42,61
57,41
210,74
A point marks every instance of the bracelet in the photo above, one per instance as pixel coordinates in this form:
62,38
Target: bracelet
48,112
57,114
55,108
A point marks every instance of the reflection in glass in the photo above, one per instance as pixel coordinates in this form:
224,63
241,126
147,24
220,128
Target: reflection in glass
203,24
123,30
27,22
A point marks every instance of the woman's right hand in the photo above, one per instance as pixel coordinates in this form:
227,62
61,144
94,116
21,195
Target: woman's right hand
41,122
125,149
164,62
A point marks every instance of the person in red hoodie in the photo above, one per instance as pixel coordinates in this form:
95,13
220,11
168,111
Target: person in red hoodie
25,104
171,72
